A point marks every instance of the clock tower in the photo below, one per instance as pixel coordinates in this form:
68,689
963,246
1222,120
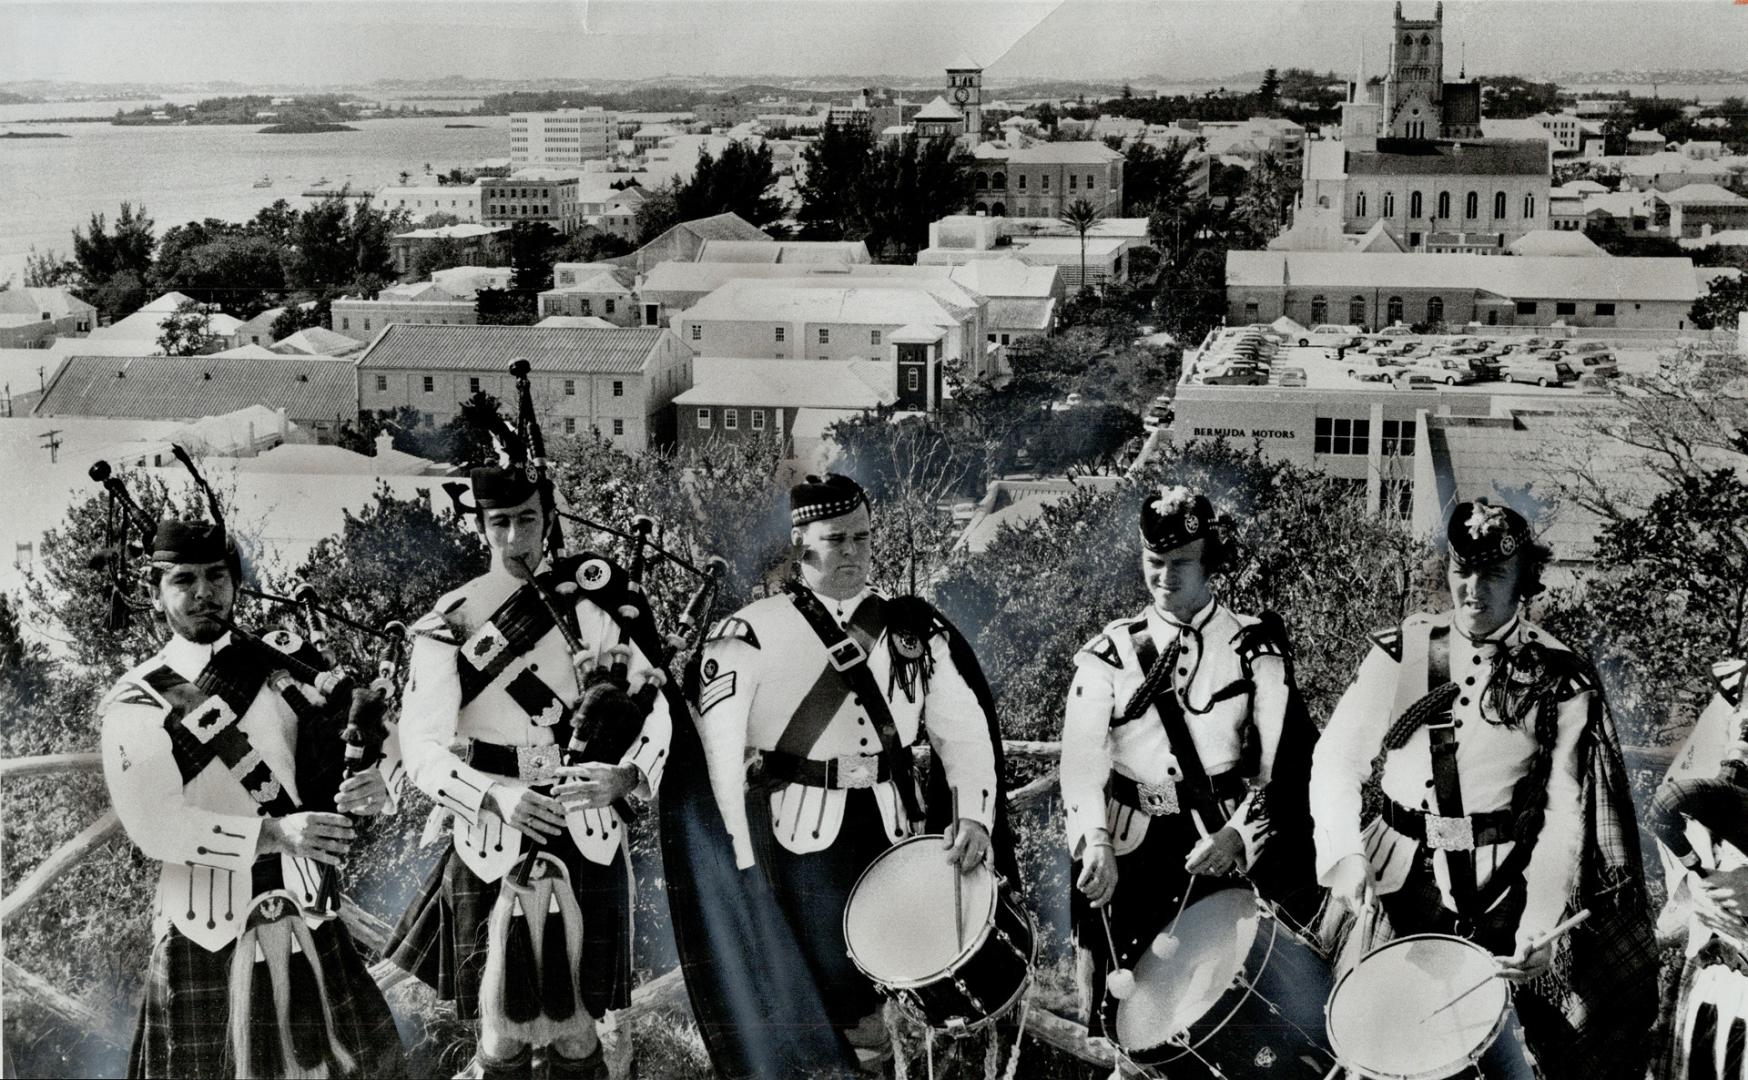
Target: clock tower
965,92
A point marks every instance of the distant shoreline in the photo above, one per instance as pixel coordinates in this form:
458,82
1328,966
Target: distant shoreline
34,135
304,127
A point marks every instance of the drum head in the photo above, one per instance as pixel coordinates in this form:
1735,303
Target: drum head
899,923
1381,1013
1215,935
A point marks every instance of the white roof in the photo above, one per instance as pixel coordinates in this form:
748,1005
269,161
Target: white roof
464,231
818,384
1056,153
1564,242
258,352
424,292
146,324
876,300
938,109
1518,277
1702,194
593,322
1007,277
685,277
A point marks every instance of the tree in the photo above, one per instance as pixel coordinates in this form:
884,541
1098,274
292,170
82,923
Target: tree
1268,95
532,244
908,184
438,220
739,182
1155,181
187,331
1080,215
49,269
1265,198
114,266
835,164
296,316
592,245
1087,437
1723,304
1508,97
506,307
222,265
439,254
659,212
342,243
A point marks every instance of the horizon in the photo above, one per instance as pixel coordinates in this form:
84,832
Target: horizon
248,43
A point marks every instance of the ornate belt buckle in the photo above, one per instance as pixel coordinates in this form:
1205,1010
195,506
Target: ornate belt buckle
857,771
536,765
846,654
1450,833
1157,800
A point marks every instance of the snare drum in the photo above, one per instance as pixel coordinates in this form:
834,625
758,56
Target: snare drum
902,934
1381,1015
1239,991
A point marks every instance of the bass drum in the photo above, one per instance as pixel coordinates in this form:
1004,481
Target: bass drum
903,934
1389,1020
1237,989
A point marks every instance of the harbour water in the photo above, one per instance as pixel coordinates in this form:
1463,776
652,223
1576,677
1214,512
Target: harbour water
180,174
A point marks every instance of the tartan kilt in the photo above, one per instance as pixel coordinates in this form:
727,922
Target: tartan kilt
441,938
184,1025
1707,1036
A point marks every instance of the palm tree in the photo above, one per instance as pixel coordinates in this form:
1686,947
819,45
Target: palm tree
1080,216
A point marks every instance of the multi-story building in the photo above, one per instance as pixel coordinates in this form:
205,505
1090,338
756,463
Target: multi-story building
567,137
603,290
422,303
1045,179
1697,210
1104,258
619,383
467,245
1416,187
32,317
422,201
531,197
1566,128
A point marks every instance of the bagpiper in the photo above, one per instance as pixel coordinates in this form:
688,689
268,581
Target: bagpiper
1185,752
526,921
1505,807
809,701
1700,816
212,760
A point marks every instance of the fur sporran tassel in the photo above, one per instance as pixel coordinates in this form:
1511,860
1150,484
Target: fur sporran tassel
266,1041
528,990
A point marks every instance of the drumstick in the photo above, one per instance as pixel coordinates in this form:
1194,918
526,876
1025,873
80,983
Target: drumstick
1534,944
958,884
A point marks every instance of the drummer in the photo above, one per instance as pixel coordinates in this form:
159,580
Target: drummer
1495,742
1173,727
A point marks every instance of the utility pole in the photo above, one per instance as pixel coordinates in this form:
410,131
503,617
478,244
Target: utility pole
52,444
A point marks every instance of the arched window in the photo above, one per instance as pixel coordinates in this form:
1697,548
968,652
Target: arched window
1359,205
1389,204
1323,201
1356,311
999,181
1414,206
1444,204
1472,206
982,181
981,208
1529,207
1319,310
999,210
1435,309
1499,205
1393,310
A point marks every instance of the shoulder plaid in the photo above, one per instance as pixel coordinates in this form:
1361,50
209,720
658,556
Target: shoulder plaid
734,628
1732,678
1390,641
1103,648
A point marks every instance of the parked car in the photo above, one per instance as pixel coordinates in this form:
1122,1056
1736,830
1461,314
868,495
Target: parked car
1291,376
1369,362
1332,336
1448,371
1539,370
1378,374
1236,375
1486,368
1595,357
1398,330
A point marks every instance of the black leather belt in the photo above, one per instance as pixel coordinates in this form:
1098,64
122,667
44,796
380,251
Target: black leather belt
844,772
1227,786
1451,833
530,764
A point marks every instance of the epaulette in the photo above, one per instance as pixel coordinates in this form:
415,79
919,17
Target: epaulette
1575,677
1732,678
733,628
1390,640
128,692
1267,636
1103,648
444,623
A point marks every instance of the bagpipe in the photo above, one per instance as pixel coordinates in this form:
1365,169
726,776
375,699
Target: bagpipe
536,924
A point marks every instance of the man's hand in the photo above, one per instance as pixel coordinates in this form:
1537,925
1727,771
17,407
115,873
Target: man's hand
1098,870
309,835
595,784
967,843
1526,963
1727,890
525,810
363,794
1350,883
1219,854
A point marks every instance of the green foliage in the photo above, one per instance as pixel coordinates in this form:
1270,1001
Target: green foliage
883,193
834,163
1155,181
1091,435
438,254
1508,97
296,317
49,269
532,246
506,307
114,265
658,212
738,182
341,242
1724,303
187,331
222,265
593,246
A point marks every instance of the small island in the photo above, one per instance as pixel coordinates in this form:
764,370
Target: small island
32,135
304,127
463,125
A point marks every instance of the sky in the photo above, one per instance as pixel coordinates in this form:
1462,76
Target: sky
362,40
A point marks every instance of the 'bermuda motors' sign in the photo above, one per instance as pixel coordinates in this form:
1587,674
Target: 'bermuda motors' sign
1240,433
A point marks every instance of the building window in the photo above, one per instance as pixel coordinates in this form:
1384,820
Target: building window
1359,205
758,417
1089,182
588,306
1472,205
825,335
730,419
1398,438
1529,207
1565,307
1499,205
1044,182
1319,310
1435,309
1339,436
1444,204
570,388
911,379
1074,181
704,419
610,304
1356,311
778,330
345,322
1605,311
618,388
1393,310
873,337
1252,311
1526,307
618,425
381,383
570,425
430,384
1389,204
473,384
1022,181
697,332
1414,205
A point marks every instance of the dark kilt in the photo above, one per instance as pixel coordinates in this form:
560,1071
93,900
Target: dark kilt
184,1020
441,939
1698,1055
